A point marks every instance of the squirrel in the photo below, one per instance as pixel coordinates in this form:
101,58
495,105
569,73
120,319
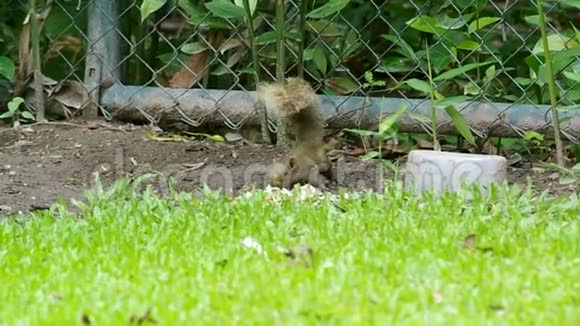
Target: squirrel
295,102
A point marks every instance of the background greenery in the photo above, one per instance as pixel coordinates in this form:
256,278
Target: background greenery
478,50
344,40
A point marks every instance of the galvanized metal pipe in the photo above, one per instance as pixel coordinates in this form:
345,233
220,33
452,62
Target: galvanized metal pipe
237,108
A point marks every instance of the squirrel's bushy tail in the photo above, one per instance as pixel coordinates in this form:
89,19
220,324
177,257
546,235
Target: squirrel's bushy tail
289,98
295,101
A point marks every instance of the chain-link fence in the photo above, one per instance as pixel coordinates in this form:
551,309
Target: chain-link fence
190,61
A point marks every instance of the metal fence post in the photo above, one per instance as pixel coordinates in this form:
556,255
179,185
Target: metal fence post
103,56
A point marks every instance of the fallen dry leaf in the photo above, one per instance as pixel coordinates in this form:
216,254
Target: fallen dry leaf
67,43
469,242
71,94
422,143
230,44
145,317
193,166
499,309
191,72
300,254
489,148
85,319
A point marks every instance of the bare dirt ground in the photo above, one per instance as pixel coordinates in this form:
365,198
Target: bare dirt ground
42,163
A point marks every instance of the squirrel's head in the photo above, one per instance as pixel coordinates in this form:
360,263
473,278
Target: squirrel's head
283,173
278,173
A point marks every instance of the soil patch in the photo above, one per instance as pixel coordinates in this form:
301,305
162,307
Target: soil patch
42,163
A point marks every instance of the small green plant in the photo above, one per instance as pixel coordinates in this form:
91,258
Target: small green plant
536,145
15,113
570,176
438,101
387,130
551,85
371,82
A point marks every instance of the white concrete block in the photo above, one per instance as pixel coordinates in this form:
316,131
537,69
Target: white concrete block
446,171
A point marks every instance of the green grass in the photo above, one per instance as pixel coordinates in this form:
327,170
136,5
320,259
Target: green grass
386,259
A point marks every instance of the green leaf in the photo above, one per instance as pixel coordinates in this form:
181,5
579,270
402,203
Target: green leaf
407,50
6,115
396,64
247,70
460,124
560,60
461,70
200,16
369,77
510,97
571,3
150,6
531,135
419,85
449,23
370,155
7,68
370,80
481,23
452,39
574,76
523,81
452,101
319,59
565,58
342,85
326,28
364,133
351,49
556,42
15,103
217,138
567,180
193,48
469,45
308,54
27,115
266,37
252,3
576,167
490,72
176,138
187,6
471,89
425,24
576,32
440,56
329,8
225,9
386,124
574,97
220,70
533,20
